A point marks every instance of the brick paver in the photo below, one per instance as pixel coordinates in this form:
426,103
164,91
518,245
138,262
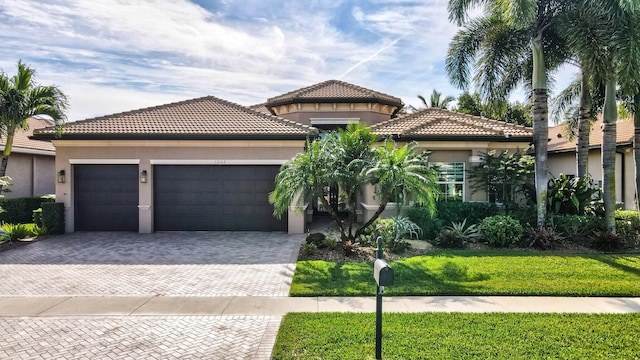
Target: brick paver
166,263
173,337
162,264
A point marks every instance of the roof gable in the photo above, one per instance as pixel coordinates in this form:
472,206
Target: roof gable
334,91
202,118
441,123
22,142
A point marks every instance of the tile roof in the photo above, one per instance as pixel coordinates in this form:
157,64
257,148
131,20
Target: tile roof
260,108
22,143
202,118
334,91
440,123
559,142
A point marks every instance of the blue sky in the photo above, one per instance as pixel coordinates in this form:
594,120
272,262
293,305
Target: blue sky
117,55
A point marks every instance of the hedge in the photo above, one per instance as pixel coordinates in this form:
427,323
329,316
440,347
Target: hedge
20,210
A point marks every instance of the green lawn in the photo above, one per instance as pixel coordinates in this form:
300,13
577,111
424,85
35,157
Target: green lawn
460,336
474,273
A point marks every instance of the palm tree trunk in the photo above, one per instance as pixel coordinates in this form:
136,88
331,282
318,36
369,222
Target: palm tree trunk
3,165
636,146
584,127
610,116
540,109
376,215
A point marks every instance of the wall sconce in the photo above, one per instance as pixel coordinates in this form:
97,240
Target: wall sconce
143,176
61,176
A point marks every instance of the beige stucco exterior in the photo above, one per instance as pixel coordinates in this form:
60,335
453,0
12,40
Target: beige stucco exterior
31,174
314,114
147,153
445,151
565,163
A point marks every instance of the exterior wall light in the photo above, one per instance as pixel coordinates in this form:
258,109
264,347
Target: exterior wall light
61,176
143,176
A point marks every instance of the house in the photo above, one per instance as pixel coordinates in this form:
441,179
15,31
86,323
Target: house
209,164
31,165
562,157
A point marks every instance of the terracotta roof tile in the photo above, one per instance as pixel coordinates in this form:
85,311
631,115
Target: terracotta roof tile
260,108
202,117
559,142
433,122
334,90
21,141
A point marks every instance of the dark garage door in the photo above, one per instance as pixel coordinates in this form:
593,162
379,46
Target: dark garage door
215,198
106,197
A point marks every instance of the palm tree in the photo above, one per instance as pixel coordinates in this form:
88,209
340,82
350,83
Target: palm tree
610,53
435,101
348,160
21,98
513,39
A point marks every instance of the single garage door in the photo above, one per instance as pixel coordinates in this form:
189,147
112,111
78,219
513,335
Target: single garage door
215,198
105,197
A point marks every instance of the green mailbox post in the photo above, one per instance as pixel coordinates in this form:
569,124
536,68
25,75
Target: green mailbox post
383,275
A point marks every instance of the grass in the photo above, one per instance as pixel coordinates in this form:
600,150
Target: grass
474,273
460,336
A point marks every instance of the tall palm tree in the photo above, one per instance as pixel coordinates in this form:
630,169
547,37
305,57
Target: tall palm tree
21,98
512,39
611,52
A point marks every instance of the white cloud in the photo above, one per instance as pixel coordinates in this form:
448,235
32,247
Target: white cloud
112,55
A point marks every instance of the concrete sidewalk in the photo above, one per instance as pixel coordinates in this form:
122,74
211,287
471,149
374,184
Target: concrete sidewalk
278,306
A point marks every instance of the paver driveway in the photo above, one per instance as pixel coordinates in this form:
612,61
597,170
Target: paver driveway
160,264
164,263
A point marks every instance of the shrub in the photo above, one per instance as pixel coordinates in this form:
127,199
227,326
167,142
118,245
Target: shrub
393,231
577,228
501,230
527,216
607,241
571,195
457,211
628,226
53,217
449,239
448,212
315,238
328,243
430,225
16,231
35,230
545,238
37,216
308,249
20,210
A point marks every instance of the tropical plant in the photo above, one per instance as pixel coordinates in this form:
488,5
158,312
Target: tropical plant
545,239
435,101
511,112
501,230
570,195
348,160
503,176
21,98
468,233
15,231
511,41
607,48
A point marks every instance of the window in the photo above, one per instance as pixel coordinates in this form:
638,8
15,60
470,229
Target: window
451,180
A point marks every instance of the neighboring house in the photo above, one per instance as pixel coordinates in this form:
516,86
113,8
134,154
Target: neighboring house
31,165
562,157
208,164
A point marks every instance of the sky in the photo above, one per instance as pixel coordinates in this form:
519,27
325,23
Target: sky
111,56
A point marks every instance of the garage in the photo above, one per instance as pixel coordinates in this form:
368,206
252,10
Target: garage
215,198
106,197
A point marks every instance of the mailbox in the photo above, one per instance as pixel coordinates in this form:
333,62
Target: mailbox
382,273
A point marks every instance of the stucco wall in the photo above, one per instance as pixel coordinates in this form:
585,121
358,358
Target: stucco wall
32,175
149,153
565,163
363,117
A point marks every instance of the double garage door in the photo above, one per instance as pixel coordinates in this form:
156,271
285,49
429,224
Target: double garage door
186,197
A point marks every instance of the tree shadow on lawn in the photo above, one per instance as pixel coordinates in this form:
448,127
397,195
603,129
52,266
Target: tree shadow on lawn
611,261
